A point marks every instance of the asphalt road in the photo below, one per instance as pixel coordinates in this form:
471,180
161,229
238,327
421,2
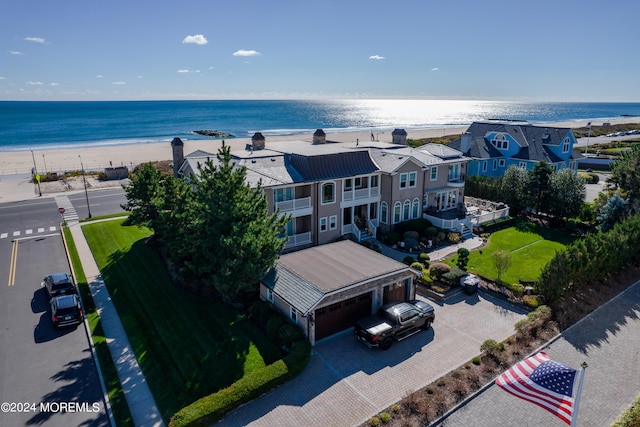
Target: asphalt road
47,376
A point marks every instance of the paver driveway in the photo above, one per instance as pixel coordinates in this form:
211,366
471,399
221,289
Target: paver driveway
345,382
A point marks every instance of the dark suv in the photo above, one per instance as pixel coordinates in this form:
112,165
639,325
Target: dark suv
59,284
66,310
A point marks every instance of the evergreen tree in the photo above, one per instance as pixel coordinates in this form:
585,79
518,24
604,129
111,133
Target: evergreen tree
514,189
540,186
232,240
568,192
142,195
625,177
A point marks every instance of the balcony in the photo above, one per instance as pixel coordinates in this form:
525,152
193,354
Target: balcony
455,181
298,240
296,207
360,193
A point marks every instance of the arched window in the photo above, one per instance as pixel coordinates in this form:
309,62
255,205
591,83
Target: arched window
415,209
328,193
406,211
384,212
397,209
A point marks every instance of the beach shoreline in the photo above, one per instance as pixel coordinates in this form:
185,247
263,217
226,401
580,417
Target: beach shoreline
97,158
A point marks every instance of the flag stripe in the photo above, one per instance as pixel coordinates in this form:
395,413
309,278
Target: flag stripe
516,381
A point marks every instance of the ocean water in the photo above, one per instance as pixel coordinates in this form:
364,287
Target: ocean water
53,124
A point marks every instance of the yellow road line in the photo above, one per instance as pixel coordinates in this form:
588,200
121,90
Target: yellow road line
12,263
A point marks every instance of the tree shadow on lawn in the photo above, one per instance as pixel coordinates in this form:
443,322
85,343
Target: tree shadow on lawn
187,346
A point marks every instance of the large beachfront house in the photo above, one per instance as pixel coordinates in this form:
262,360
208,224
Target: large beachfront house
493,146
337,189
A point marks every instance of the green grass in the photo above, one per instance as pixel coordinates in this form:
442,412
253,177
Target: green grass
117,400
530,252
187,346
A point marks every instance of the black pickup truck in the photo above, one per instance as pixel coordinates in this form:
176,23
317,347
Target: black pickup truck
394,322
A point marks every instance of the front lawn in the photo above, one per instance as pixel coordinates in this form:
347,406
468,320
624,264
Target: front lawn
531,248
187,346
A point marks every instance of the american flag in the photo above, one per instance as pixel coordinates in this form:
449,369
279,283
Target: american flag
542,381
589,125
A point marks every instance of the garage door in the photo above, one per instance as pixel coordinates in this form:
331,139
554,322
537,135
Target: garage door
394,292
337,317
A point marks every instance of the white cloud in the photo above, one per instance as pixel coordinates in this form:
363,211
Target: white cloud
195,39
2,78
35,39
35,83
377,57
243,52
119,83
54,84
99,76
15,52
435,69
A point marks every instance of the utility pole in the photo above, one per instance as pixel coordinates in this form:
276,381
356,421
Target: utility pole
84,179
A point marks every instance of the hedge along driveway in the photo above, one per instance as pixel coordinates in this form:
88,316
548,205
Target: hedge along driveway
187,346
530,252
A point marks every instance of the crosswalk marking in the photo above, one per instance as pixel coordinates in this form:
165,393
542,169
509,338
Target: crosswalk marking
27,232
69,214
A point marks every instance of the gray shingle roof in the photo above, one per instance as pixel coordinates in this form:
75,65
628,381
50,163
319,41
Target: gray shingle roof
304,277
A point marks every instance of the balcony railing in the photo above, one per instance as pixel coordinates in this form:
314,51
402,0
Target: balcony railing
294,204
298,239
360,193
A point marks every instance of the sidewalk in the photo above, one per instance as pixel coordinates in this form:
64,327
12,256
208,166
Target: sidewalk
436,254
143,408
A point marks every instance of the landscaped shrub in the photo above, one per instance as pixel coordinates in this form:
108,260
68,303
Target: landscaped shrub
424,257
374,421
289,333
531,300
411,234
411,243
261,311
453,276
463,258
417,224
273,328
391,238
431,231
454,237
476,361
408,260
437,269
385,417
417,266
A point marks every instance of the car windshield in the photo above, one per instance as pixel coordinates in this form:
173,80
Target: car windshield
66,311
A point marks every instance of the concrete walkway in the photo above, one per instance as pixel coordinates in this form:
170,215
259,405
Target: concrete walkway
143,407
434,254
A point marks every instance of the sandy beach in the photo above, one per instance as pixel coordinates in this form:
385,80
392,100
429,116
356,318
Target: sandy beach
98,158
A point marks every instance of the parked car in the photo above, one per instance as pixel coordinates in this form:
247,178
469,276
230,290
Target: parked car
394,322
66,310
59,284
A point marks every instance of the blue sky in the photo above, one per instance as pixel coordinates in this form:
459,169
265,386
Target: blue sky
248,49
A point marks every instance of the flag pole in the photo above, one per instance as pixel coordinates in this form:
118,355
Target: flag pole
586,151
574,416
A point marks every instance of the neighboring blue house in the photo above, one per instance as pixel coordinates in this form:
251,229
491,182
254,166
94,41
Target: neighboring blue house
494,146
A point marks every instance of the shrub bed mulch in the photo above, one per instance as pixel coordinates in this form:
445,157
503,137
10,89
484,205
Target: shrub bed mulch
427,405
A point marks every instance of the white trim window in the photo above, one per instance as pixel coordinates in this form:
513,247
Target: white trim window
333,222
522,165
323,224
328,193
270,295
406,210
484,166
293,314
403,180
565,145
413,178
434,173
397,212
500,141
415,208
501,163
495,164
384,212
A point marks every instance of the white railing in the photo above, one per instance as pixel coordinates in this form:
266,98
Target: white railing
298,239
372,228
446,224
294,204
488,216
355,231
361,193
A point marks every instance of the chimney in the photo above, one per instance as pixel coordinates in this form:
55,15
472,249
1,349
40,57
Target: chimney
319,137
177,147
257,141
465,142
399,136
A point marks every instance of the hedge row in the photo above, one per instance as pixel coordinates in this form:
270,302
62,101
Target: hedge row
211,408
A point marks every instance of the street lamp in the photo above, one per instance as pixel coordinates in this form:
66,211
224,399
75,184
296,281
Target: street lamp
84,179
45,165
35,173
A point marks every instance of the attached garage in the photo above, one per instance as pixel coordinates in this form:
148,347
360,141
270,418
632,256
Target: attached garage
326,289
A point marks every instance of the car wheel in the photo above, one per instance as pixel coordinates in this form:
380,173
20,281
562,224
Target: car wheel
427,324
386,344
